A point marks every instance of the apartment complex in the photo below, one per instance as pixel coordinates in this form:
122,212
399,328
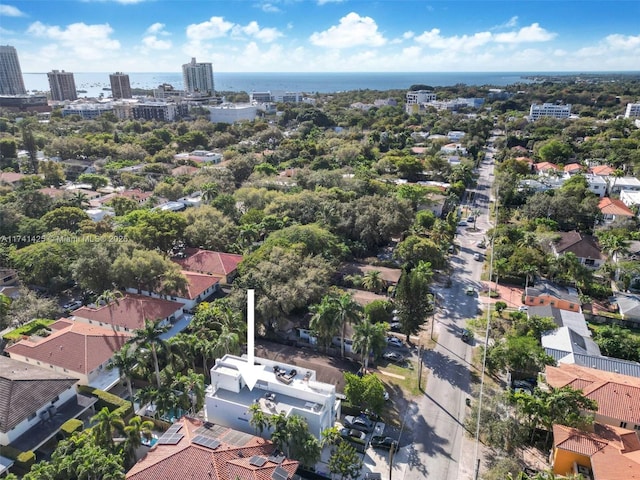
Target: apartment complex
165,112
62,85
632,111
11,81
420,96
549,110
120,85
280,388
278,96
198,77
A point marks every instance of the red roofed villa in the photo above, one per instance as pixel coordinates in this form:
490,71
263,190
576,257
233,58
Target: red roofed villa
205,451
612,208
130,312
77,349
546,167
219,264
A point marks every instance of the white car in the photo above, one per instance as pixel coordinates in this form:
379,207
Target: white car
523,308
394,342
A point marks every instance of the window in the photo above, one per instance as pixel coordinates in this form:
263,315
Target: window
552,303
572,306
590,262
541,301
636,427
623,424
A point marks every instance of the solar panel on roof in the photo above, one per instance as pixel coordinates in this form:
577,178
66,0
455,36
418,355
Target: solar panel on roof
280,474
175,428
276,459
257,461
207,442
170,439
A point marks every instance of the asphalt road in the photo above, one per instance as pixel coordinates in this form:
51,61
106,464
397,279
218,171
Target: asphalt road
438,449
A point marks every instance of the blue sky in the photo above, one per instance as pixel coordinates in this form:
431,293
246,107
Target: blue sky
323,35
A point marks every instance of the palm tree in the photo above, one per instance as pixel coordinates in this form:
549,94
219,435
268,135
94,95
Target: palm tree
149,336
227,342
79,199
210,191
192,387
125,361
108,422
134,432
258,419
205,348
500,267
368,337
373,281
324,321
529,271
347,311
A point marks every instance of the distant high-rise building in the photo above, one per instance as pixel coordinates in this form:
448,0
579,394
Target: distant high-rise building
198,77
120,86
62,85
632,111
11,81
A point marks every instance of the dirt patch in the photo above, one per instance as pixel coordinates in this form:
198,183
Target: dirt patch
509,294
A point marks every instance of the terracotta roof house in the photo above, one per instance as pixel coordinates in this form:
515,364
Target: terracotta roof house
607,453
612,209
191,449
602,170
585,247
34,403
74,348
199,287
184,170
130,312
219,264
573,168
11,177
546,167
617,396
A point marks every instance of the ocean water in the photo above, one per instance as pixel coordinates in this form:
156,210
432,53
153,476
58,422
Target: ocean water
94,83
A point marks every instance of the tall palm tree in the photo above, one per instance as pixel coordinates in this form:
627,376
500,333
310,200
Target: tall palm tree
368,337
134,432
258,419
500,267
529,271
149,336
348,311
107,423
80,200
191,386
227,342
206,350
125,361
324,321
210,191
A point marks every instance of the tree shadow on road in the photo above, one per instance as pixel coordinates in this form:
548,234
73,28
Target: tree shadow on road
455,373
432,445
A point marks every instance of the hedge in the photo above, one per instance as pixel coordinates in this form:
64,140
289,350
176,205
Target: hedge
23,460
28,329
112,402
71,426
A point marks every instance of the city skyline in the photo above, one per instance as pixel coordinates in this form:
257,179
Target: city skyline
323,35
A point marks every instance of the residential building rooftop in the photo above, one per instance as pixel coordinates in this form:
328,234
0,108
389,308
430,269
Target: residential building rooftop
546,288
613,206
207,261
598,362
26,388
583,246
74,346
192,449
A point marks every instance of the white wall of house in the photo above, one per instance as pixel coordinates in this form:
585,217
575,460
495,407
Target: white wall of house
189,304
7,437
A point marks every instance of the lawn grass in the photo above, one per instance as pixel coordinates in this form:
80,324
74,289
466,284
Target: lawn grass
635,332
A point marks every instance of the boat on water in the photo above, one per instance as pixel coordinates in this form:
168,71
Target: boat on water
106,88
81,91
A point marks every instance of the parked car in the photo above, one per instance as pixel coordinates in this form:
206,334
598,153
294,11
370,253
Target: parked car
462,223
477,256
395,326
394,342
523,308
394,357
352,434
72,305
467,335
471,219
481,244
470,291
359,423
379,441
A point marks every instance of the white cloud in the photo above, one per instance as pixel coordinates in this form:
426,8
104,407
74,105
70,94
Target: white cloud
215,27
433,39
511,23
10,11
252,29
532,33
154,43
624,42
269,8
352,31
408,35
4,31
88,42
157,28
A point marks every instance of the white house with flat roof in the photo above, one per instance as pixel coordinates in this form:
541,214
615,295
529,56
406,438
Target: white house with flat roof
280,388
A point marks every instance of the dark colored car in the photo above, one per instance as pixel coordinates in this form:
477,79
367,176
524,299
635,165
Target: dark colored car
393,357
467,335
359,423
352,434
379,441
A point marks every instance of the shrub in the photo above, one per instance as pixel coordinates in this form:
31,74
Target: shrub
28,329
25,460
105,399
71,426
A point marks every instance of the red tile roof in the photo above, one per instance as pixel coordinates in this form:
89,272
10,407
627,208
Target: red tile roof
78,347
601,170
572,167
612,206
207,261
614,452
11,177
198,283
544,166
187,460
136,194
130,312
618,396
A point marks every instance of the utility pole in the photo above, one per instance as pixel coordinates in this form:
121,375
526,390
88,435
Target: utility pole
391,454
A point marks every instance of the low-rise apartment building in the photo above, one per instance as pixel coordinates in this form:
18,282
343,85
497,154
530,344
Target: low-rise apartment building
549,110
